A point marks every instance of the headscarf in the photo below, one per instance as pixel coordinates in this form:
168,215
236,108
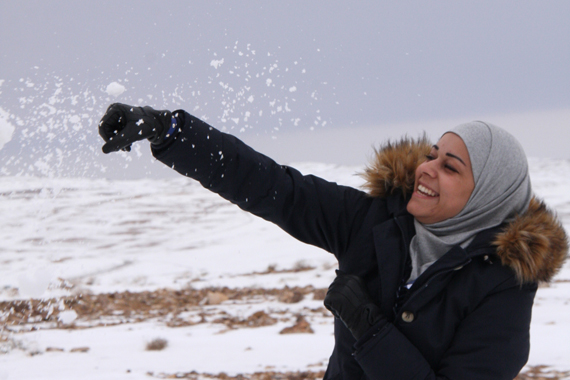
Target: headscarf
502,190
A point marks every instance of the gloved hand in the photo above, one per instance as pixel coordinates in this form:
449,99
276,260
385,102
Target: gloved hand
123,124
349,301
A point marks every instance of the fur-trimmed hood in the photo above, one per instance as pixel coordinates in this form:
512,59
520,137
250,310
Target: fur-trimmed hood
534,245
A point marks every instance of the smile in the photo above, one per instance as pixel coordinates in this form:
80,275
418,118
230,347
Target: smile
425,191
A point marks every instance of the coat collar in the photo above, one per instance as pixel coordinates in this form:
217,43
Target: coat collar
534,244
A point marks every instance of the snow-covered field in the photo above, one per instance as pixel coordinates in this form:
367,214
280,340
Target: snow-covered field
93,271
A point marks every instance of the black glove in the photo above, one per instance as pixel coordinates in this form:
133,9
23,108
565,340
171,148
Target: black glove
122,125
349,301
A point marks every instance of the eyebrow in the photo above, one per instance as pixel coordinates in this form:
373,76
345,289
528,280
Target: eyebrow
451,155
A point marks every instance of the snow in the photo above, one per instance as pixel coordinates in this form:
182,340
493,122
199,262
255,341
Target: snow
115,89
216,63
6,128
34,284
78,237
66,317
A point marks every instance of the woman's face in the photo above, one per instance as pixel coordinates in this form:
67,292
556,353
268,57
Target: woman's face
444,182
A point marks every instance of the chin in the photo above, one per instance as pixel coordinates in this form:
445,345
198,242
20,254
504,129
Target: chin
422,216
414,208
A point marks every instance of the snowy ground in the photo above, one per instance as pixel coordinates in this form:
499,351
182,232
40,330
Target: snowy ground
93,270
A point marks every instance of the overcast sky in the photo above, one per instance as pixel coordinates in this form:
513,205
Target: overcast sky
295,70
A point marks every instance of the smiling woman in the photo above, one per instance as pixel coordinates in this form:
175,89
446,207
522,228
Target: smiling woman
468,195
438,284
444,182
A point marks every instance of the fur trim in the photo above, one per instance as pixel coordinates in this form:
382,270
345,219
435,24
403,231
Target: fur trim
394,165
534,245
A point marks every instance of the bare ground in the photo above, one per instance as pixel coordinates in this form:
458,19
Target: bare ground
164,304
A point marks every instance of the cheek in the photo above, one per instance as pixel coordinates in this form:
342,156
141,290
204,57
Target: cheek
467,189
459,197
417,175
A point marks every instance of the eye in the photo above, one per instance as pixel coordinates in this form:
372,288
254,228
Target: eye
449,167
429,157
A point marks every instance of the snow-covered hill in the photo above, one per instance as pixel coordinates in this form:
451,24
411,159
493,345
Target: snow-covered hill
94,270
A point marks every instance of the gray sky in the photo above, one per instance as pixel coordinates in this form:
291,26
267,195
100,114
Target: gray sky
337,74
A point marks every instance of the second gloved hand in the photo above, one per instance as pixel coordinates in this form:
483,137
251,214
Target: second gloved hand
348,299
123,124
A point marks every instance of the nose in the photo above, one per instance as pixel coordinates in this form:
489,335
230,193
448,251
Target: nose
429,168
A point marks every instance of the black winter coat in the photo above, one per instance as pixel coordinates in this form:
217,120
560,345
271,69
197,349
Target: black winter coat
466,317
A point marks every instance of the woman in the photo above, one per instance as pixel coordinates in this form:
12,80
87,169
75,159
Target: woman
438,264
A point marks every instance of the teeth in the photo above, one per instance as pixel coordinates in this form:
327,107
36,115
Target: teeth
426,191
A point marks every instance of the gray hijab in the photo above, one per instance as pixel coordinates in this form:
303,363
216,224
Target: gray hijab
502,190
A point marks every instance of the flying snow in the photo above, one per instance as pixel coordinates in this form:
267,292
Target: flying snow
6,129
66,317
217,63
115,89
34,285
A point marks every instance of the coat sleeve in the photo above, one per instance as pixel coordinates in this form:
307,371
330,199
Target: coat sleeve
490,343
309,208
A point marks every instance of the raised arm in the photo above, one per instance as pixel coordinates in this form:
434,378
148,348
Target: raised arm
309,208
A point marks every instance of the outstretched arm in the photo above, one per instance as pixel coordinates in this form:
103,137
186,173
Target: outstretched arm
309,208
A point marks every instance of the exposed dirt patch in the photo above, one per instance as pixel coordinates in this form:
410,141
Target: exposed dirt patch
255,376
542,372
127,307
299,266
258,319
301,326
156,344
